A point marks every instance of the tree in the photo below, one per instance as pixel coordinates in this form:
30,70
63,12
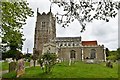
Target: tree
35,57
28,56
118,55
48,60
14,15
85,11
107,52
114,55
14,54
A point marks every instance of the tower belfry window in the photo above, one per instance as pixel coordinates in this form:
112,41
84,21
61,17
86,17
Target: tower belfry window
43,24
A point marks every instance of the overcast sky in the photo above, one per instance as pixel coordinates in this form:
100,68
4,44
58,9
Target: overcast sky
104,33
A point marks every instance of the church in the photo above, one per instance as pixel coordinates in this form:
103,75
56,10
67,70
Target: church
65,47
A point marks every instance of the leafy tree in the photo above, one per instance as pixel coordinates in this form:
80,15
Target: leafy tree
85,11
114,55
118,55
107,52
14,15
14,54
19,55
28,56
48,60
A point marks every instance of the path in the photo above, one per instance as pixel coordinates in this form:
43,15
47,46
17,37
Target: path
3,72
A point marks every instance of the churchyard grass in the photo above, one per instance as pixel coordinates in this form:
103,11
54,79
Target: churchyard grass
27,64
5,65
10,75
77,70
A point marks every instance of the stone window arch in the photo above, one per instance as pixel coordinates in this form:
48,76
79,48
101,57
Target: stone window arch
68,44
72,54
61,44
43,24
65,44
93,54
73,44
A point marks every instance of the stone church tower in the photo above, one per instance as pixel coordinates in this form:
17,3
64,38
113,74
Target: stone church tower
45,31
67,48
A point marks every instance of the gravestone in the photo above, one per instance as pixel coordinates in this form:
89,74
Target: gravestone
12,66
20,68
37,63
90,61
9,60
31,63
109,64
70,62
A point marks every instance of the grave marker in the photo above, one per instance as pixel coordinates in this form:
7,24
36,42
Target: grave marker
20,68
31,63
12,66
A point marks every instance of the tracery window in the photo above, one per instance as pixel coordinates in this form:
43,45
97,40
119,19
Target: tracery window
93,54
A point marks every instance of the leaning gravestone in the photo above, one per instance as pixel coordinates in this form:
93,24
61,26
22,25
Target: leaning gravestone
20,67
12,66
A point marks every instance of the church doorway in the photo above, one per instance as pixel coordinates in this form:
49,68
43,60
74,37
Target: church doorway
93,54
72,54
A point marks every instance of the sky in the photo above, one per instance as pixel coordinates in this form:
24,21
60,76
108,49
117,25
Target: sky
105,33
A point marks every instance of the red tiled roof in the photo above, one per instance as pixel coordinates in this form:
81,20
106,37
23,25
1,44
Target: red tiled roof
89,43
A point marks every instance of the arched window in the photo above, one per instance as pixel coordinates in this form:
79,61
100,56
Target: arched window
43,24
72,54
61,44
73,44
65,44
93,54
69,44
77,44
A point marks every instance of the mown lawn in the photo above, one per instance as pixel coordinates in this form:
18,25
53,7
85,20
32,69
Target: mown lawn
77,70
5,65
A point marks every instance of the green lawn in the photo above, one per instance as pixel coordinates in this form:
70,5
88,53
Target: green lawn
77,70
5,65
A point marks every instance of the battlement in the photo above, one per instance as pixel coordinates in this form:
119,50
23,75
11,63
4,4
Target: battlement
43,13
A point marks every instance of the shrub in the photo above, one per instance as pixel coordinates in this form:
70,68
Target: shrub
47,61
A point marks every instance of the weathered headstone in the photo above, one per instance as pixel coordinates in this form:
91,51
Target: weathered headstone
12,66
69,62
109,64
9,60
35,62
20,68
90,61
31,63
